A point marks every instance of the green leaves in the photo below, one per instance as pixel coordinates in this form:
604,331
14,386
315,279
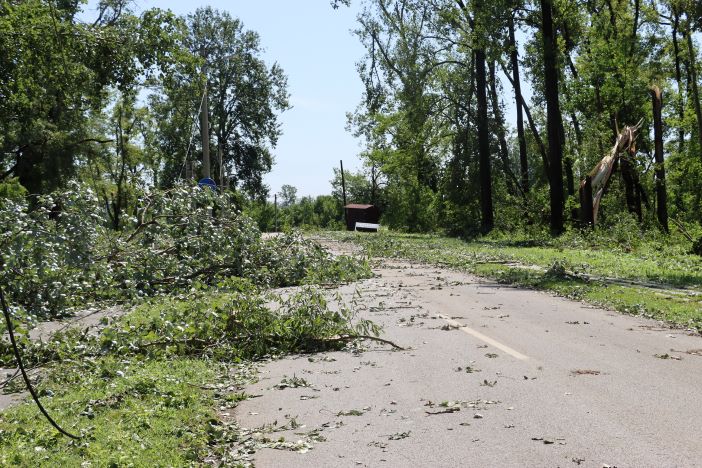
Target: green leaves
59,254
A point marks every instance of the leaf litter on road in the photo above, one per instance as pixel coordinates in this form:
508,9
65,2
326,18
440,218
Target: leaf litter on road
577,372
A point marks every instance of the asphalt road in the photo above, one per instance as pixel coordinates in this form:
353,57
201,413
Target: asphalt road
492,376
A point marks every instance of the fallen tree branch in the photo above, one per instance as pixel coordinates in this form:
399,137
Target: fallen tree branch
682,230
347,338
451,409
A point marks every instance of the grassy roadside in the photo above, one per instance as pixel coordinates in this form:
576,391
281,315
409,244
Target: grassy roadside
150,388
141,413
572,267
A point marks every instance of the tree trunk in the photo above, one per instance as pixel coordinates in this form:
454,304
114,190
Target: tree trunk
514,57
693,83
568,166
678,81
661,194
553,117
633,196
486,210
587,212
29,168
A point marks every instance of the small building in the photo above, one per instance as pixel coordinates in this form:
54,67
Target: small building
356,213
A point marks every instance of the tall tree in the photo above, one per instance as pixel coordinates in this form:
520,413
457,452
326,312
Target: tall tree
245,97
57,69
514,61
553,115
398,75
661,192
487,220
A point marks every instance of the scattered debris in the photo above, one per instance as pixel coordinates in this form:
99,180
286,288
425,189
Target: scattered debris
468,369
477,416
292,382
491,355
541,439
692,352
399,435
487,383
378,444
308,397
668,356
584,372
450,409
353,412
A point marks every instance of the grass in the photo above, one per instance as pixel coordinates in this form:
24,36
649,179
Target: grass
573,266
149,413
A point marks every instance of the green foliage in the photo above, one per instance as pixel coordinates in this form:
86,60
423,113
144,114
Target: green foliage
419,121
139,389
324,211
11,189
56,68
59,254
240,322
288,195
48,251
138,413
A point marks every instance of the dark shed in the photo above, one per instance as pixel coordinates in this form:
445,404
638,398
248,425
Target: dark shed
361,214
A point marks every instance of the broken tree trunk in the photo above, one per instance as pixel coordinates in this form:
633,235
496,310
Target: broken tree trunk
593,187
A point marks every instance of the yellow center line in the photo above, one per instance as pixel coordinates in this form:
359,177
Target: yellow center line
486,339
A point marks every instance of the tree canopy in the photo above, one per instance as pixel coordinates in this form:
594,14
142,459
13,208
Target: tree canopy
115,100
438,73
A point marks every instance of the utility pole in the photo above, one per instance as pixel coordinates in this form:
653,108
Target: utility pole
221,165
205,124
275,211
343,182
343,191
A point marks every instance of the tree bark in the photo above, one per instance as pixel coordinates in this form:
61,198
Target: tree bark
678,81
514,58
631,183
693,83
486,209
553,117
661,194
484,164
587,215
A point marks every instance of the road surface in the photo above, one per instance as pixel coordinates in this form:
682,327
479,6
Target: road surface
492,376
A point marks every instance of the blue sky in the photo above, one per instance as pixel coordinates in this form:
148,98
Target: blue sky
313,44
